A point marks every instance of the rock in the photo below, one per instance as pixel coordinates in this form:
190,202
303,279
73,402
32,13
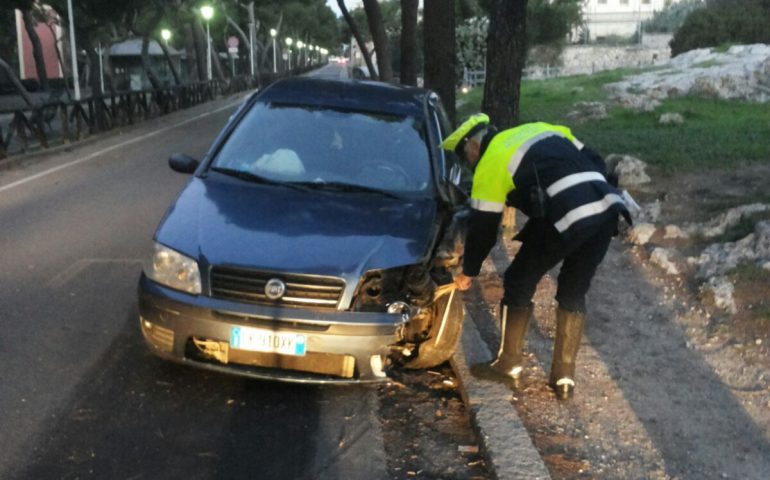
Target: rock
672,231
720,258
720,291
588,111
641,233
662,258
630,171
671,119
730,218
743,72
638,103
650,212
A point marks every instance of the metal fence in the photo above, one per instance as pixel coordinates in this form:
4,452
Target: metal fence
58,122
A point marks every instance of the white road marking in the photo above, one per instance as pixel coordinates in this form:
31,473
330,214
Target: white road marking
113,147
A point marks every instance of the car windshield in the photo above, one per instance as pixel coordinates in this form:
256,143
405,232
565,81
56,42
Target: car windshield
328,148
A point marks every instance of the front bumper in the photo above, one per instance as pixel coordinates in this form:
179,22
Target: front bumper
355,343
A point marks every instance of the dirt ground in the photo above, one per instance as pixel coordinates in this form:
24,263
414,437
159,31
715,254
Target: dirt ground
667,387
424,407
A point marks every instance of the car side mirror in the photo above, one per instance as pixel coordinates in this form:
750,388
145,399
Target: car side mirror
457,196
179,162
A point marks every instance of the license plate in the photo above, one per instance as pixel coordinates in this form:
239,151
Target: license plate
261,340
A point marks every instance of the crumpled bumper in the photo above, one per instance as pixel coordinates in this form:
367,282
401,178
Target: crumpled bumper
341,347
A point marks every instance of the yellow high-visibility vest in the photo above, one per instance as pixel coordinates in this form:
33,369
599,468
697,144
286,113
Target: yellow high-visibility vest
493,177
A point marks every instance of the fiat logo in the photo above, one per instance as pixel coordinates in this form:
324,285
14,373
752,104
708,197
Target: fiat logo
274,289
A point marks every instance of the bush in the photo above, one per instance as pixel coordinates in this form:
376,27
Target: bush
719,25
672,16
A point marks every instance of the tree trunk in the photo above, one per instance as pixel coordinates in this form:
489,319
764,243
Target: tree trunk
37,49
506,55
409,41
16,83
359,39
380,39
199,35
170,62
193,67
147,66
439,47
62,65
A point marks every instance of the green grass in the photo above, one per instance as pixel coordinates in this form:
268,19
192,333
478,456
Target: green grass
716,133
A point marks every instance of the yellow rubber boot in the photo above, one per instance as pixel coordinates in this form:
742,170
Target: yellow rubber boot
569,329
513,332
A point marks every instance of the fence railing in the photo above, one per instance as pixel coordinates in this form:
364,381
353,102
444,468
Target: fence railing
58,122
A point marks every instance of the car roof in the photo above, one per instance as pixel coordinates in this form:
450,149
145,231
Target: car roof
348,94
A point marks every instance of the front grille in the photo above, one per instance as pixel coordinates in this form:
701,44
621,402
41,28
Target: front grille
301,290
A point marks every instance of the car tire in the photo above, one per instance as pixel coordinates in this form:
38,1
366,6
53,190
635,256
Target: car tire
431,352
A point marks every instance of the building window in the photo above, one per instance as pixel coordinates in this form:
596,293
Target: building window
646,2
624,2
602,2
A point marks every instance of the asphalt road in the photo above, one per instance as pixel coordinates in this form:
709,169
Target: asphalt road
80,394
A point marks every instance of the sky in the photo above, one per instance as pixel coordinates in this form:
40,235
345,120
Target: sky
351,4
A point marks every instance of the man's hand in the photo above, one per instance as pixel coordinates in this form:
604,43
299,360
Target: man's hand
463,282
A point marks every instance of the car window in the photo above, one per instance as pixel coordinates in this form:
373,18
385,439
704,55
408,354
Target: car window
457,172
309,144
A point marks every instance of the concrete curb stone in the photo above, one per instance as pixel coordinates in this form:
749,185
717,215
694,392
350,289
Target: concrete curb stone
505,442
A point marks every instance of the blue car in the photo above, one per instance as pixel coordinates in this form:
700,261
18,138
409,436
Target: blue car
315,241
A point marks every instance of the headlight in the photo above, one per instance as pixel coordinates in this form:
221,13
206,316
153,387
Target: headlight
172,269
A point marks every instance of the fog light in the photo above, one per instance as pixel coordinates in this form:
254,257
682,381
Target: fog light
398,307
377,365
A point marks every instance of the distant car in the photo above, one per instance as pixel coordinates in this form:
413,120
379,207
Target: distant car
311,241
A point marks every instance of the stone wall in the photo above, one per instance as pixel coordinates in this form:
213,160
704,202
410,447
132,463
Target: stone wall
585,59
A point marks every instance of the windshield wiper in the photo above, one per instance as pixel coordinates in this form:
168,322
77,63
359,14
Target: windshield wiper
253,177
346,187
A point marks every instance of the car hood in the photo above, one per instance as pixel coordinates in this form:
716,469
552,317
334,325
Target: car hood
225,221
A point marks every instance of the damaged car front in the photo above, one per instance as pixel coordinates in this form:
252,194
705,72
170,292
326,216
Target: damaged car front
314,241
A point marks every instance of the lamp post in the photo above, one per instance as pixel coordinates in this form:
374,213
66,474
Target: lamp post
300,56
289,41
207,12
273,33
74,50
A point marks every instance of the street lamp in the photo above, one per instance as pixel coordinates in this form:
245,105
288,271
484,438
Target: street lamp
207,12
74,51
289,41
165,34
300,57
273,33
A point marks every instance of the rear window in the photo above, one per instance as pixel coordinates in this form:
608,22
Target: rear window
310,144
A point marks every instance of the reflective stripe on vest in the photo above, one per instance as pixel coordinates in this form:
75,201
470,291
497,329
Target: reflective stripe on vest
486,206
572,180
493,177
587,210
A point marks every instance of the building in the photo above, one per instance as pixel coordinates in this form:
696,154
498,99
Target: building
127,70
49,35
621,18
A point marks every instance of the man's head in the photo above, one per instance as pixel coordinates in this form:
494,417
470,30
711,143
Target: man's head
466,140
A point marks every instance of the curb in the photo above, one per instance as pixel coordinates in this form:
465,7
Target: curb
505,442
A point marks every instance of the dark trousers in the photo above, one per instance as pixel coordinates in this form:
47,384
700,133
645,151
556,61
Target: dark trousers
541,250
